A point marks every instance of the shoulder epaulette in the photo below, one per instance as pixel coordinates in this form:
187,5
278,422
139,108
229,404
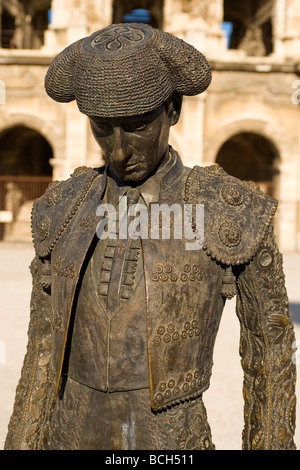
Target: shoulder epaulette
237,214
55,209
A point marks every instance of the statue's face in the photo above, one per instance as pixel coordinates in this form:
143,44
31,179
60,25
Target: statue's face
133,146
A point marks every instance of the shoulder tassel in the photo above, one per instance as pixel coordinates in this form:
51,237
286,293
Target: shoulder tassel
229,289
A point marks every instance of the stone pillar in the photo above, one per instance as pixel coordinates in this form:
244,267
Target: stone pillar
27,43
72,20
69,23
75,137
216,36
279,27
99,14
71,149
286,28
292,38
198,23
192,128
182,20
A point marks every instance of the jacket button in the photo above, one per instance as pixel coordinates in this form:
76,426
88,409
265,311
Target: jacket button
167,338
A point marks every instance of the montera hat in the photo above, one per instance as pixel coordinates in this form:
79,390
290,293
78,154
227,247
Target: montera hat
126,69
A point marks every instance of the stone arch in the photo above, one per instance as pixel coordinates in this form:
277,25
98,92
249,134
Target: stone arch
287,148
286,184
24,152
251,156
52,132
25,172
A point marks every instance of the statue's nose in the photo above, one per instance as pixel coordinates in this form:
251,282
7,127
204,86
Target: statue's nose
120,145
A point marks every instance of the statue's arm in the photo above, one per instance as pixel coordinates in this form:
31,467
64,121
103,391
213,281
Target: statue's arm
267,350
24,429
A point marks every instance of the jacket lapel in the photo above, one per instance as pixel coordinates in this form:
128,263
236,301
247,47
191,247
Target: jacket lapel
67,260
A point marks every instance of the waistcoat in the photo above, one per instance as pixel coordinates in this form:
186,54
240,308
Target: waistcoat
109,346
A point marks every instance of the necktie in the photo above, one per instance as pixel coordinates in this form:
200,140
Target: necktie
133,195
124,261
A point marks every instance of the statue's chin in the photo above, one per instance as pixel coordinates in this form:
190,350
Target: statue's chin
133,174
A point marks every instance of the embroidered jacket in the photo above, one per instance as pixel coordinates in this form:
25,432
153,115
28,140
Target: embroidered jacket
185,295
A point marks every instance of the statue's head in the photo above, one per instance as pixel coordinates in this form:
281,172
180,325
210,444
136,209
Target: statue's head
129,80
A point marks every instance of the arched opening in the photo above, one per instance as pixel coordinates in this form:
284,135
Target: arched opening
39,24
147,11
7,30
24,152
251,157
23,23
25,173
250,24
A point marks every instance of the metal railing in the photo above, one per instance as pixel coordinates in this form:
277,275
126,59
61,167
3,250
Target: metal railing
17,194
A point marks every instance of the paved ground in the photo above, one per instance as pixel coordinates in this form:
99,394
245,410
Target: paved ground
223,399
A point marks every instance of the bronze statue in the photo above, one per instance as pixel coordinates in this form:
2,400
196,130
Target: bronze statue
122,329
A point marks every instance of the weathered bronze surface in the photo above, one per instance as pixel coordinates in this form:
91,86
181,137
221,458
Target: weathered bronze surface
122,330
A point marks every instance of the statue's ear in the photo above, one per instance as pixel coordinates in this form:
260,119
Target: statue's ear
175,107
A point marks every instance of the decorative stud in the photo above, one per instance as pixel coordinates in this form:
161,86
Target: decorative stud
265,258
232,195
53,195
43,228
229,234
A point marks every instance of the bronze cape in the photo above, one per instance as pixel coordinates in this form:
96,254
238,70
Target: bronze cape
184,296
